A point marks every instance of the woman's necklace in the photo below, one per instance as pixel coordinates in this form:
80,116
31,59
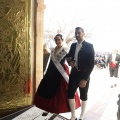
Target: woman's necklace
57,49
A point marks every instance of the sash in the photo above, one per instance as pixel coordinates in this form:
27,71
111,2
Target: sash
56,58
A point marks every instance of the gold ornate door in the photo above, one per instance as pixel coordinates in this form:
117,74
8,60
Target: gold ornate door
15,55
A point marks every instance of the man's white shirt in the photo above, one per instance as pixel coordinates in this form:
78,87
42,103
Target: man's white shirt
113,57
78,47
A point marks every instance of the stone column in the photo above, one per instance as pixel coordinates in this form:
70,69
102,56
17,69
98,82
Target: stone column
39,40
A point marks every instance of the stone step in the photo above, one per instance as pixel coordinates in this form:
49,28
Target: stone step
33,113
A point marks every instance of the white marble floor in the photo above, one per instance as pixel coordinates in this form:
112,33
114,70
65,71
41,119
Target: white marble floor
102,101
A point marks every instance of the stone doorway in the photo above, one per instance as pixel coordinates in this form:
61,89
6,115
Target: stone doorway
21,52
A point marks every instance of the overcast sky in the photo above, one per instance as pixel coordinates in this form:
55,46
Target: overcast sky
99,17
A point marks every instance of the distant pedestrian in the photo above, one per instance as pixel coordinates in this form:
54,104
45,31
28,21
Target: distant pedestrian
113,60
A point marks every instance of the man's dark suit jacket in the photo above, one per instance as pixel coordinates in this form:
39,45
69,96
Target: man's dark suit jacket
109,59
85,58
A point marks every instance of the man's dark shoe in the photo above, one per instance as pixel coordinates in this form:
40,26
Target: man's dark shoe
76,119
111,86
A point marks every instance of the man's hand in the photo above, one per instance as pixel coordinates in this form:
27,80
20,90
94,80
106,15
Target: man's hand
116,62
72,64
106,67
82,83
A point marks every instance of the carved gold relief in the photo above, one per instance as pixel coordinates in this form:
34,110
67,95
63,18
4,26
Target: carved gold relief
14,54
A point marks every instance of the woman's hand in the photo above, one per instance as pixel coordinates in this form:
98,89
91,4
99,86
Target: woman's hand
72,64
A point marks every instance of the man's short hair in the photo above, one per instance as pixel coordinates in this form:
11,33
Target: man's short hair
79,28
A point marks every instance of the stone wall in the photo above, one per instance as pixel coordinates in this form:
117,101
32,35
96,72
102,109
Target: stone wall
39,39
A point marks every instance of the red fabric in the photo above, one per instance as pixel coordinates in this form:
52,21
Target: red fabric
58,104
112,64
28,87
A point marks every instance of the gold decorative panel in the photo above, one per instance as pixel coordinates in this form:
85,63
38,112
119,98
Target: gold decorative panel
15,67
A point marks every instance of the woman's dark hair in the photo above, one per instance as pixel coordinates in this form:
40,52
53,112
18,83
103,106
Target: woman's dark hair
59,36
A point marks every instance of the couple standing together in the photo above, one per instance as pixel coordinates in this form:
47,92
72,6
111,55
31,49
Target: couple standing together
57,92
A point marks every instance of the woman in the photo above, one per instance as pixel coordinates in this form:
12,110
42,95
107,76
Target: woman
51,95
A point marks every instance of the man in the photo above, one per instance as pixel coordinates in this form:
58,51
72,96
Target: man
81,59
113,60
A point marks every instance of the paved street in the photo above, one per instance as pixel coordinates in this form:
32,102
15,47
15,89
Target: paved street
102,102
